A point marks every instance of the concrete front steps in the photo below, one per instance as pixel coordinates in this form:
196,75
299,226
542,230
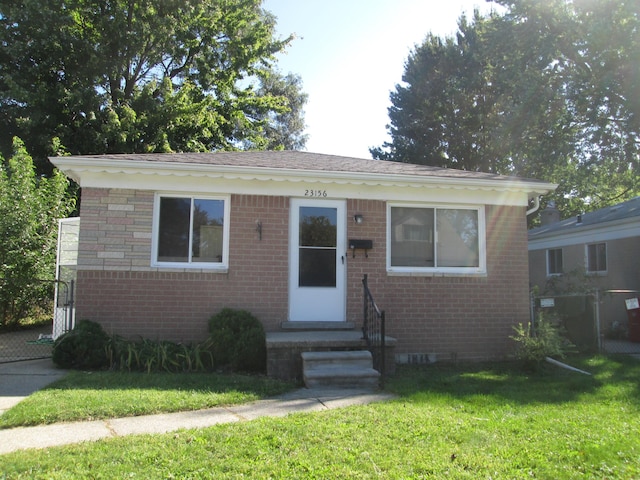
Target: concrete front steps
346,369
286,346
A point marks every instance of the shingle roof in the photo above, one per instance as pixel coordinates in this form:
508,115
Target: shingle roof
621,211
296,160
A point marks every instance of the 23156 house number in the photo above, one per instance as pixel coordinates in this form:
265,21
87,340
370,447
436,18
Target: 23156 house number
315,193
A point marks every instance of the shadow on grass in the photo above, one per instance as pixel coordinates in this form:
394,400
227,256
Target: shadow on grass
509,382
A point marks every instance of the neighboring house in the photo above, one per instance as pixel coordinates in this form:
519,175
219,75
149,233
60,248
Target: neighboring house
167,240
603,245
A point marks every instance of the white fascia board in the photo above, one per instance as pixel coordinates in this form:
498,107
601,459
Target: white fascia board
99,173
589,234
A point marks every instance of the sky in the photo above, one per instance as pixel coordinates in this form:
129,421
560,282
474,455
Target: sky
350,55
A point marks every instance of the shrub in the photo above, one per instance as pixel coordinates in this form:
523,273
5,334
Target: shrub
155,356
238,341
535,344
84,347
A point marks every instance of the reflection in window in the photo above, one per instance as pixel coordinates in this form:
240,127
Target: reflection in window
457,238
317,247
412,237
434,237
190,230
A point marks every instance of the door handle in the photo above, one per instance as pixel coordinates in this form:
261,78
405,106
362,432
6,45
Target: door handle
342,259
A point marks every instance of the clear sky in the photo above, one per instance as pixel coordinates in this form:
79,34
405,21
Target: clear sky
350,55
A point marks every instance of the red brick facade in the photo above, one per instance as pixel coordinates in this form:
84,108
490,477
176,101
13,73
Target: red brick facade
463,317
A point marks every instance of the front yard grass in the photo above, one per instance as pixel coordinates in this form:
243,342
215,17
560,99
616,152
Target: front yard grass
467,421
99,395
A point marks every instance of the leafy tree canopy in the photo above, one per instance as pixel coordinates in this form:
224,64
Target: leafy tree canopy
124,76
538,88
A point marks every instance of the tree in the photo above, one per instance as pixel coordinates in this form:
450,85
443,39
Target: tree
545,89
283,129
139,76
30,207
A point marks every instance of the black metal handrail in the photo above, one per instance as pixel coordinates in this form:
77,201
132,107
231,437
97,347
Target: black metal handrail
373,329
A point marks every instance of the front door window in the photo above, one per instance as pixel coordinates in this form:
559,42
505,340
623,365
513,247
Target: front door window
317,247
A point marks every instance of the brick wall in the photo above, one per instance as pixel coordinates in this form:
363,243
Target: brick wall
462,317
454,317
118,288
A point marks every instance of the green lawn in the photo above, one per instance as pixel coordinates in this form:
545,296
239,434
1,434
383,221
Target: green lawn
97,395
470,421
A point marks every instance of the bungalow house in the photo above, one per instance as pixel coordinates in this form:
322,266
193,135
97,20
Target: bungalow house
167,240
603,247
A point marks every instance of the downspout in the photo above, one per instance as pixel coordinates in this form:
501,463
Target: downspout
536,205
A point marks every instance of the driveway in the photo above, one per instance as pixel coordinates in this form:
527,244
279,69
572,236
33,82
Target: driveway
18,380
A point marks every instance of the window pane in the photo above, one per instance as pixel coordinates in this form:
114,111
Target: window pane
173,241
602,257
208,225
554,261
412,237
597,257
457,238
318,227
317,267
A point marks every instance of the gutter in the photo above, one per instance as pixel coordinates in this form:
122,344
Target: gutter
536,205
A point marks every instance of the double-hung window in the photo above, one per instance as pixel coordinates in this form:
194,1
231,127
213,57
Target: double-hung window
436,239
597,258
554,261
191,232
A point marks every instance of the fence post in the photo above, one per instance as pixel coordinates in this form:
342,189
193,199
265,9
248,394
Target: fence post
596,306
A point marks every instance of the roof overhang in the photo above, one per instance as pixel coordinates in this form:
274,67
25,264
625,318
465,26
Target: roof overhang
581,234
131,172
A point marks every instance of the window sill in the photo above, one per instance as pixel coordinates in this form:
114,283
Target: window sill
190,268
438,274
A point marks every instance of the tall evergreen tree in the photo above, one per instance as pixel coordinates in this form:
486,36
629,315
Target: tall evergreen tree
546,89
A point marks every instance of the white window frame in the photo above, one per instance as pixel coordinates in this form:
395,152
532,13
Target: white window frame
480,270
155,231
554,274
586,258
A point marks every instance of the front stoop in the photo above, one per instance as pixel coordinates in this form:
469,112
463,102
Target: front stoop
352,369
284,349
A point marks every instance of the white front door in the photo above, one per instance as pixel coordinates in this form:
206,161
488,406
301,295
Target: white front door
317,261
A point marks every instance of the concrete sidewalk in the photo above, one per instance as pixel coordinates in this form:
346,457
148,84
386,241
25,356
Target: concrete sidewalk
18,380
301,400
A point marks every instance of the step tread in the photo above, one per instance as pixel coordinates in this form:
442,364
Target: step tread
337,355
341,371
293,325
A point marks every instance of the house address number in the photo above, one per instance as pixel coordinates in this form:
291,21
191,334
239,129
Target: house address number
315,193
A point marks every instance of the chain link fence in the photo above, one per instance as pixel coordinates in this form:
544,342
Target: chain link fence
603,321
34,343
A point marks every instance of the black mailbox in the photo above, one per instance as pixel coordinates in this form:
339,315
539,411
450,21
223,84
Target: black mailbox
360,245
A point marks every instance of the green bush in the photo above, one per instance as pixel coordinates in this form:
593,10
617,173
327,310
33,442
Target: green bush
535,344
238,341
84,347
